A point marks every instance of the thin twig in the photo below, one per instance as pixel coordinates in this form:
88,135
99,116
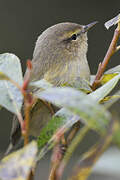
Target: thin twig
70,150
28,102
110,52
27,120
55,161
73,132
56,156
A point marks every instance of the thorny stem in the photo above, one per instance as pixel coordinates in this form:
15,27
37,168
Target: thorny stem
111,50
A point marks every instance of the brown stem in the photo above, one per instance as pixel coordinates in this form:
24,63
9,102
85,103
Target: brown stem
73,132
110,52
28,102
27,120
58,154
55,161
70,150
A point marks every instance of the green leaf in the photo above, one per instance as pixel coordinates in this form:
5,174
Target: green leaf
103,91
10,96
116,137
18,165
93,114
63,117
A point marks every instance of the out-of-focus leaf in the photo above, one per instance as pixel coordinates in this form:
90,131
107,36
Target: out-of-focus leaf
69,117
103,91
41,84
18,165
10,96
104,165
112,21
107,77
72,146
116,137
93,114
88,160
63,118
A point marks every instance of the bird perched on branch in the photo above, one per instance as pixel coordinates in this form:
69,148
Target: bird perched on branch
60,58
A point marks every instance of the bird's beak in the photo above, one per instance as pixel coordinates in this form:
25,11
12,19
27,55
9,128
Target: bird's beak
87,27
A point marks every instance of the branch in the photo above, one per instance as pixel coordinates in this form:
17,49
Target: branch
57,155
70,150
111,50
28,102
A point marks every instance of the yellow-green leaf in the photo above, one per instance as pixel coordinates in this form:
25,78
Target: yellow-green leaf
107,77
4,76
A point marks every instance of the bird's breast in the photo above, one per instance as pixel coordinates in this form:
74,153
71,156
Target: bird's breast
68,72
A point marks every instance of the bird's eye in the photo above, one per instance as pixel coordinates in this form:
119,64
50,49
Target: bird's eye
74,37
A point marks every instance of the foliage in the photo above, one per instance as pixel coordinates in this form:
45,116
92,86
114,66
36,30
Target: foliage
81,103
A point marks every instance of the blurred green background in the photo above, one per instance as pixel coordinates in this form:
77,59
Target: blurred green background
22,21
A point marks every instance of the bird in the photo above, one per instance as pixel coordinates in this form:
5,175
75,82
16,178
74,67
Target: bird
59,57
